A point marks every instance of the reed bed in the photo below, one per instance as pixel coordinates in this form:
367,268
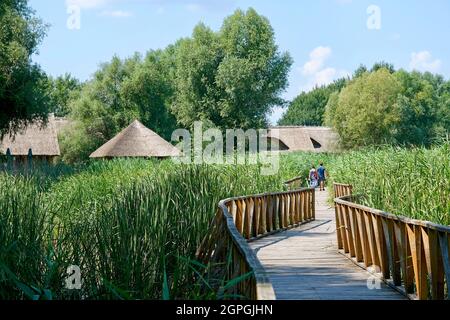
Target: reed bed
133,226
409,182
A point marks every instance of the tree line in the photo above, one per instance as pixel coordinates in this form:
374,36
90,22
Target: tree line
230,78
378,106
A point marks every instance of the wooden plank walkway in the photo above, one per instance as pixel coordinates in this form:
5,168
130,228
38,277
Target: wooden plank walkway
304,263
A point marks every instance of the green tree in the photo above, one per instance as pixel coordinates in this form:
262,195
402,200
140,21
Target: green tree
196,62
121,91
308,108
441,128
362,69
22,83
366,112
418,106
232,78
383,65
61,90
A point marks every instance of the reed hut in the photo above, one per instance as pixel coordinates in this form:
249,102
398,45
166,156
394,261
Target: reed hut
38,141
136,141
310,139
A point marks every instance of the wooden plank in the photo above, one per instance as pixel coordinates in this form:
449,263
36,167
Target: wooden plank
269,219
434,263
401,237
364,239
247,218
343,230
338,228
356,235
419,264
394,254
239,217
302,263
389,239
349,231
263,215
256,217
371,239
292,217
282,212
444,246
381,246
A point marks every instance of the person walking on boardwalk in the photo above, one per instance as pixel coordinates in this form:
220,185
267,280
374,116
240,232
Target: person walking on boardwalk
321,174
313,177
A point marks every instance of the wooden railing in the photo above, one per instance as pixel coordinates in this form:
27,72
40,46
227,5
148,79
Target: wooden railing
295,183
342,190
241,220
411,255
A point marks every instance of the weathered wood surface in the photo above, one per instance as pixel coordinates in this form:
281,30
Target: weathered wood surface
241,220
412,255
304,264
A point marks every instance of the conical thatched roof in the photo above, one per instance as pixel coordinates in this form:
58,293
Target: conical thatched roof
312,139
41,138
136,141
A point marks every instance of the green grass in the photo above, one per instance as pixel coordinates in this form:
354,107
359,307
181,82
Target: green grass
130,225
409,182
133,226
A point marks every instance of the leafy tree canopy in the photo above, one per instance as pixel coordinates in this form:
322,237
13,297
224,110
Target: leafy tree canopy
61,90
381,106
308,108
231,78
22,83
121,91
365,112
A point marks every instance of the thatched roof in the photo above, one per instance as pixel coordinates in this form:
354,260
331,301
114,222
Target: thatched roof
41,138
136,141
313,139
61,123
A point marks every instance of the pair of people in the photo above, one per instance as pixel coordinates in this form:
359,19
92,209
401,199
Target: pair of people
317,177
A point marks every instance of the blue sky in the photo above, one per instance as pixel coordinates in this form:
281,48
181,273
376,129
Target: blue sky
326,38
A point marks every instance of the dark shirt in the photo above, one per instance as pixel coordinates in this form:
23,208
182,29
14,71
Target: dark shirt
321,172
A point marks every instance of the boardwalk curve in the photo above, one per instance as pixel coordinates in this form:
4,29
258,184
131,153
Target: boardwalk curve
303,263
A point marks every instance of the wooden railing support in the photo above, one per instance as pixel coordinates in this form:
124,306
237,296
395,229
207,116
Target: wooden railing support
412,255
242,220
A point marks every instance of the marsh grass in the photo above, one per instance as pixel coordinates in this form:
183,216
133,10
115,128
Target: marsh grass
410,182
133,226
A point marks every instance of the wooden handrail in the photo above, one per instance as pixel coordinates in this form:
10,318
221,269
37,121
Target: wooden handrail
295,183
342,190
242,220
412,255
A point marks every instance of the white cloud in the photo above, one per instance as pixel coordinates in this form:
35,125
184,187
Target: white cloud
424,61
87,4
317,59
315,71
116,14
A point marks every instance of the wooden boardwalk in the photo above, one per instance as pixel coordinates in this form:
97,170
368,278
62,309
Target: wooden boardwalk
304,264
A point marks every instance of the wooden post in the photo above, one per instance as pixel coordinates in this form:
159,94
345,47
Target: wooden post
9,160
30,160
419,263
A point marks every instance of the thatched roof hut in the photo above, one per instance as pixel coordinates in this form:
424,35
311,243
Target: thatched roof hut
136,141
312,139
41,138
